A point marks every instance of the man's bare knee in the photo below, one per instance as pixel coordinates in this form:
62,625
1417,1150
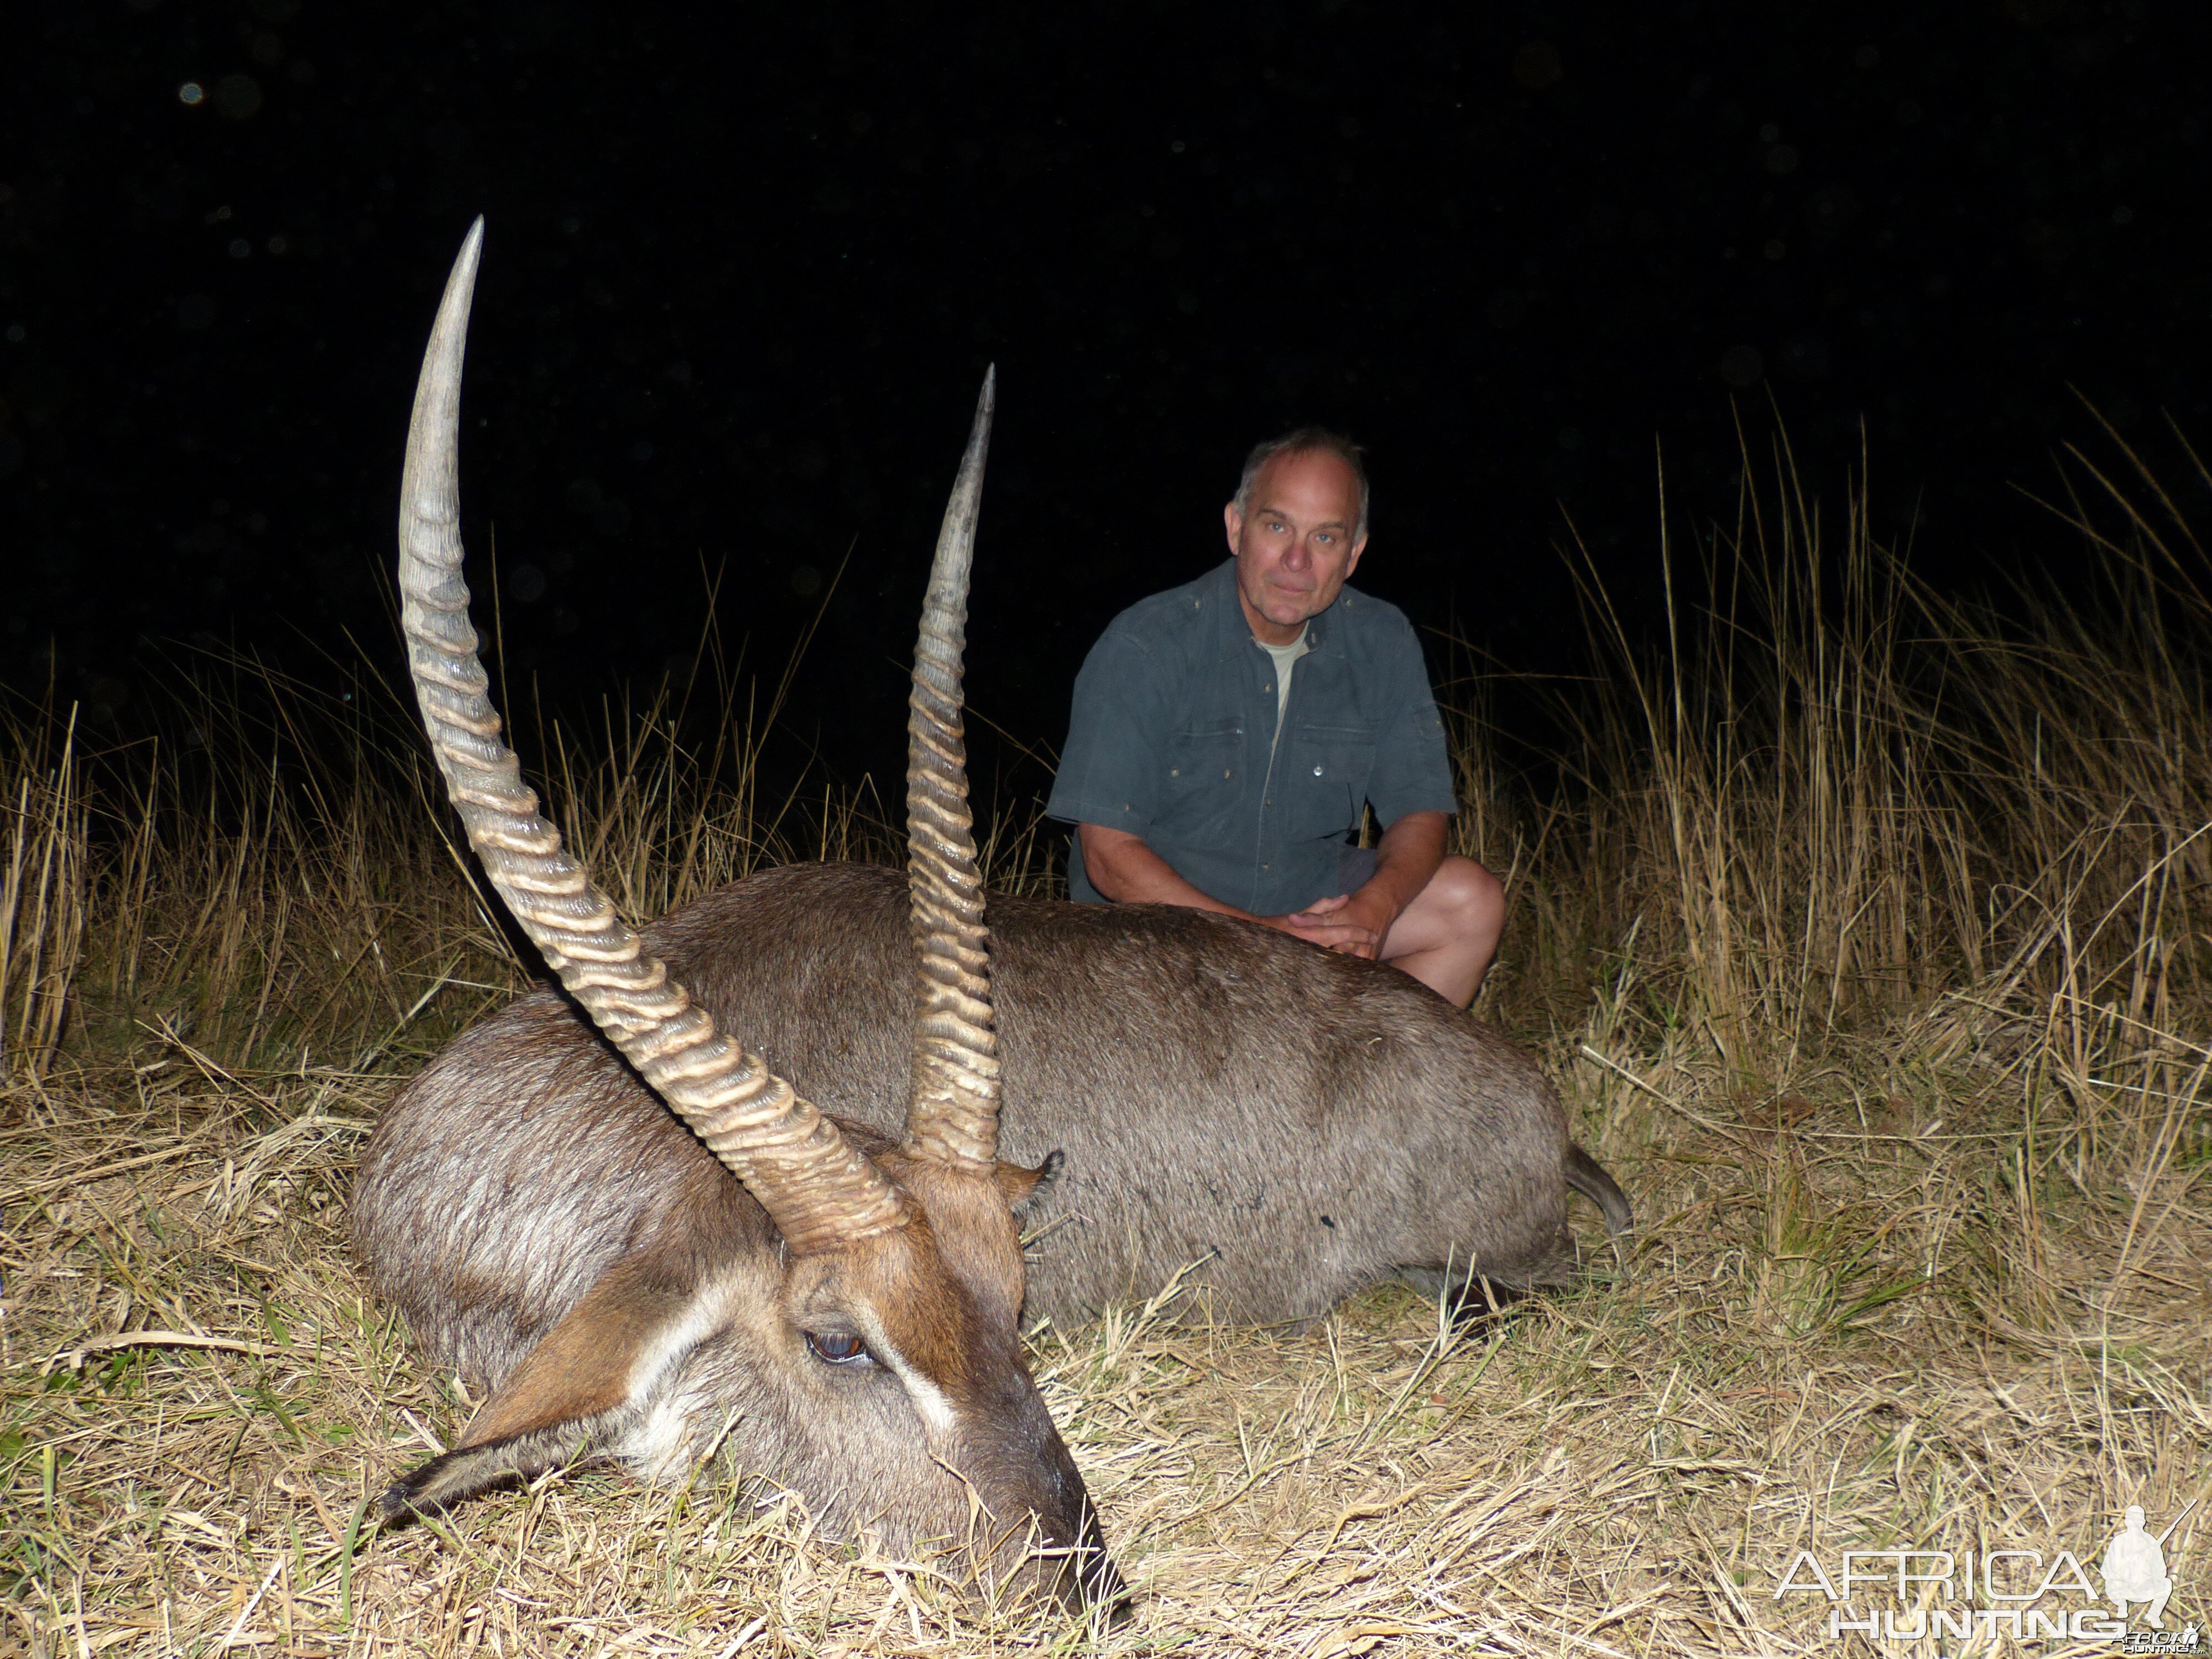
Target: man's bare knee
1468,898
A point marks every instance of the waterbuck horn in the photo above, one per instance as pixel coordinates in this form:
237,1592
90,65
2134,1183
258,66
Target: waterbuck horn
952,1101
819,1190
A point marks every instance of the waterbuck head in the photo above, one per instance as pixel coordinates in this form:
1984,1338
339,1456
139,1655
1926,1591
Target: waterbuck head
852,1327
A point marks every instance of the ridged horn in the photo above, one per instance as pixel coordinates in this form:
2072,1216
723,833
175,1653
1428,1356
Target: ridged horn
820,1192
952,1102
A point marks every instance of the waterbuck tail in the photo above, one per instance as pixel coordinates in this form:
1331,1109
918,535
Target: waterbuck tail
1588,1177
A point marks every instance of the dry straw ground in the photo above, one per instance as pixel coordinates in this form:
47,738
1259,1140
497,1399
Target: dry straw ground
1866,936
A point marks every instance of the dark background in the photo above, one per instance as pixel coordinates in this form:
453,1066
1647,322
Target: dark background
745,266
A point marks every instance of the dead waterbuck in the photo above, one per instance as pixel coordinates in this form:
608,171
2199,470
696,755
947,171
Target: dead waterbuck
842,1315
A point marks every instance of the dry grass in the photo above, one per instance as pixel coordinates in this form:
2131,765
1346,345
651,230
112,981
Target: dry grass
1865,935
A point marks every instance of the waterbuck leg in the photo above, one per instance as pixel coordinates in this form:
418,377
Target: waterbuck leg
602,1358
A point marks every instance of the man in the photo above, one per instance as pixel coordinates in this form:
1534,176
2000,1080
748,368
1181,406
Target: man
1228,735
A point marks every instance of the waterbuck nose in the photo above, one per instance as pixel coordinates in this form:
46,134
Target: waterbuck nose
1078,1569
1098,1582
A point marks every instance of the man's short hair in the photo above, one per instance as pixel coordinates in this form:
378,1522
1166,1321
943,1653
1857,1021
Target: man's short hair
1306,441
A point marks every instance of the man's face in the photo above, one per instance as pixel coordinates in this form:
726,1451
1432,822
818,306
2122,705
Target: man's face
1295,549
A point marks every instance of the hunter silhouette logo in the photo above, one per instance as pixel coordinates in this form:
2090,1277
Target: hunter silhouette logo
2135,1568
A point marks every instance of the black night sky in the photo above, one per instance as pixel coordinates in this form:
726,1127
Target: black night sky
745,266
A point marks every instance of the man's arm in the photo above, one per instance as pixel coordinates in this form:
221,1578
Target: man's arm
1125,869
1405,860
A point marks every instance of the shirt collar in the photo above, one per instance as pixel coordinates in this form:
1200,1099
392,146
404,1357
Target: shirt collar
1231,634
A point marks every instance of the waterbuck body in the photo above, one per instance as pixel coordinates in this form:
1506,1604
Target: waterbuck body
1288,1123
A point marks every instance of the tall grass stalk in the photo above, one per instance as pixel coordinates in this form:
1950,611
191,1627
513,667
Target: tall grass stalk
43,872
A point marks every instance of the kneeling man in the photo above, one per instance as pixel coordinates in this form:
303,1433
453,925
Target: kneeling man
1228,735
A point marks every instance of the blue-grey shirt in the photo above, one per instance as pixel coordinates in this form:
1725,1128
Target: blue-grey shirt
1173,739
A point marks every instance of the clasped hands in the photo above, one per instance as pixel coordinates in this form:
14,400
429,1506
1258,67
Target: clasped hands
1353,923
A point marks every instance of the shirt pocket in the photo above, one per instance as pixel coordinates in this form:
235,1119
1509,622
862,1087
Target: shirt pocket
1205,764
1326,784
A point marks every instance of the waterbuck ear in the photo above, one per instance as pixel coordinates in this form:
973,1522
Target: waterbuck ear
1020,1187
602,1358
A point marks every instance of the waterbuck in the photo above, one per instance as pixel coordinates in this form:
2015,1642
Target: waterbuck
841,1314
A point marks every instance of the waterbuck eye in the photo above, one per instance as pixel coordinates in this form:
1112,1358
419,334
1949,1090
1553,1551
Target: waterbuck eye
836,1350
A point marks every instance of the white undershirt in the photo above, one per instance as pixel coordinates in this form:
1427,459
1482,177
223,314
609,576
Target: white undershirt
1287,658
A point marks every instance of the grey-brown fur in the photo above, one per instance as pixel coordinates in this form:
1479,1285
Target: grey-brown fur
1302,1123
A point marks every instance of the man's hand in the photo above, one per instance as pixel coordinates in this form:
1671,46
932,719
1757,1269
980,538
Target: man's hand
1358,923
1353,923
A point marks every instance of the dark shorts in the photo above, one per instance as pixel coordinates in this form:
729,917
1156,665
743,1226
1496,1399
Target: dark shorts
1354,866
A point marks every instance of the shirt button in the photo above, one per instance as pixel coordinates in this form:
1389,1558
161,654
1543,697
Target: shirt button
1316,771
1175,771
1226,771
